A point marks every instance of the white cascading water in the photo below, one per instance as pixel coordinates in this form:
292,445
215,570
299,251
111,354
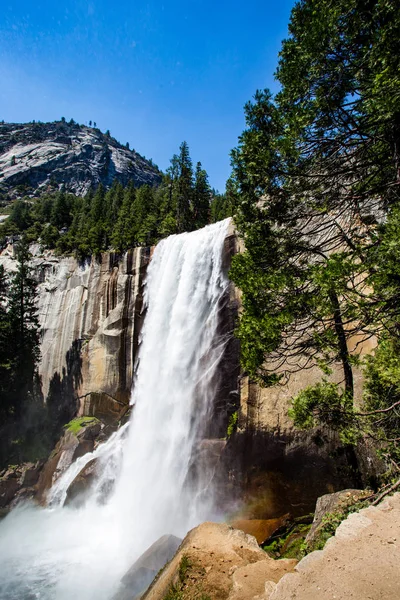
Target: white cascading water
60,553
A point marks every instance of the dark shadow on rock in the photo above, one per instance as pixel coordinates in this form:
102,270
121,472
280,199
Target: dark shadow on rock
62,400
274,473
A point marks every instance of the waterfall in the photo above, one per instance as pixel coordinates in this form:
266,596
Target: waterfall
62,552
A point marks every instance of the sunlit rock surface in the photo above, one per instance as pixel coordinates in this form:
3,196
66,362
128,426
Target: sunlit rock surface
216,561
38,155
361,561
90,316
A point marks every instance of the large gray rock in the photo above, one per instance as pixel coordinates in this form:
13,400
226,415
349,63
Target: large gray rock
330,503
143,571
82,483
70,447
39,155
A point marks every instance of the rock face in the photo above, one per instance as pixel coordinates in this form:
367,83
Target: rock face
18,483
218,562
360,562
331,503
72,445
268,460
91,317
38,155
82,482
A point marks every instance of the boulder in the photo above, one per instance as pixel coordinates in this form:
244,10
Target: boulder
142,572
73,444
18,483
219,562
360,562
332,503
82,482
9,485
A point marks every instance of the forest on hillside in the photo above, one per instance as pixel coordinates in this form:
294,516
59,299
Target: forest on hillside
121,217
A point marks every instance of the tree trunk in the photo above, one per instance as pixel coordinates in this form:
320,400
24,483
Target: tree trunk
342,343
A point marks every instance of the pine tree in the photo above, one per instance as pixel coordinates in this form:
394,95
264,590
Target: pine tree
201,198
5,347
24,325
183,188
61,210
312,167
123,235
145,215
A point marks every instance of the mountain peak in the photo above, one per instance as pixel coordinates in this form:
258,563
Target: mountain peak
35,157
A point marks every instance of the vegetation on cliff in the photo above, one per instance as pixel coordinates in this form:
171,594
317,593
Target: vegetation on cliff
317,175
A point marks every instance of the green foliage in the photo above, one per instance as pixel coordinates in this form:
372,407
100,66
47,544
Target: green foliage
76,424
313,169
185,587
326,404
330,522
119,218
184,567
382,391
232,424
174,593
291,542
378,417
21,407
201,197
24,330
224,205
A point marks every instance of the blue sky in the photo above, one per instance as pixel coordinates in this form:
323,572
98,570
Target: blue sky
154,73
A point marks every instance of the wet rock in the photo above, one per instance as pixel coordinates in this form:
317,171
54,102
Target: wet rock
89,431
82,482
70,447
23,495
143,571
9,485
104,407
30,475
18,483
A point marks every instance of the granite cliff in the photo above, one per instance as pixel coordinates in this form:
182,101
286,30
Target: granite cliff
90,317
38,156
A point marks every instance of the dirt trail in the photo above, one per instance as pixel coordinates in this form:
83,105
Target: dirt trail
361,562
